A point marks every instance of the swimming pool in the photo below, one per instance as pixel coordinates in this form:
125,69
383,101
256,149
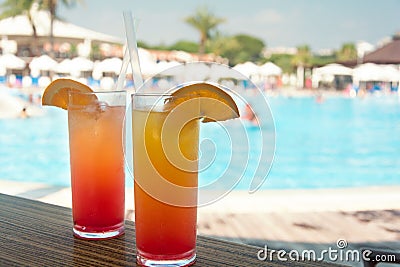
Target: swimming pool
341,142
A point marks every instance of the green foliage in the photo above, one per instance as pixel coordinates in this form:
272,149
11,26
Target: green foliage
204,21
74,49
303,56
225,46
11,8
322,60
51,5
94,53
251,47
161,46
67,3
347,52
284,61
184,45
143,44
238,49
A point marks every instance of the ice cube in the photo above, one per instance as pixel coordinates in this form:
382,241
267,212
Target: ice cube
96,107
102,106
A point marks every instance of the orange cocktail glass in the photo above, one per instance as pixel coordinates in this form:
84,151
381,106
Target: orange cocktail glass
165,151
96,141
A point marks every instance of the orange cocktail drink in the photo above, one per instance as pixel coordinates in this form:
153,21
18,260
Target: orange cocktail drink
165,155
96,142
165,146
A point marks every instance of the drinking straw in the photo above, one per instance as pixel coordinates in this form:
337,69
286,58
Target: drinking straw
132,56
133,50
122,74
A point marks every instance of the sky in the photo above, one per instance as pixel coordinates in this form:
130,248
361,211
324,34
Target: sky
279,23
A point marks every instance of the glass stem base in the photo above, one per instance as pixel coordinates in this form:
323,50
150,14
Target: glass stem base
99,234
187,261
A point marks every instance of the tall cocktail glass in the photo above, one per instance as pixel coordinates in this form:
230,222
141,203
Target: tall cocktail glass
165,152
96,142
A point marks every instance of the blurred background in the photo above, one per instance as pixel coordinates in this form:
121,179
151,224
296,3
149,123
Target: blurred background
326,72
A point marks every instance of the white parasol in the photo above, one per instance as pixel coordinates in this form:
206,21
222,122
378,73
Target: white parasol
10,61
44,62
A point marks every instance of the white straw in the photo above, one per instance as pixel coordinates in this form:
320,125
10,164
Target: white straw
122,74
132,56
133,50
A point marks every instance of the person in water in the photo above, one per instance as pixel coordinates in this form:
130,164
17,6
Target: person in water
319,99
23,114
249,114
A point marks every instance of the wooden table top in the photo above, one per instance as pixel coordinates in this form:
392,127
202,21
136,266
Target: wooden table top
34,233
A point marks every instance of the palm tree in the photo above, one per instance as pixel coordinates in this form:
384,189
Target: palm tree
347,52
303,56
12,8
300,61
204,21
51,6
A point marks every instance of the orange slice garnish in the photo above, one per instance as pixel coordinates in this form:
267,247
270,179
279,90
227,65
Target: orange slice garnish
56,93
215,103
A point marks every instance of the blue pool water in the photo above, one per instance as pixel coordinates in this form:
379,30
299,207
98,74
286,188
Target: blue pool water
340,143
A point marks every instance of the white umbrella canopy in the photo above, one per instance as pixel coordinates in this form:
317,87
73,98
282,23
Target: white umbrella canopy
74,66
392,73
64,66
44,62
374,72
166,68
148,63
182,56
219,71
270,69
327,73
248,69
10,61
333,69
82,64
3,70
196,71
145,55
367,72
148,68
108,65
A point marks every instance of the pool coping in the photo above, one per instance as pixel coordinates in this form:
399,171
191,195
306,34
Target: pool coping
285,200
